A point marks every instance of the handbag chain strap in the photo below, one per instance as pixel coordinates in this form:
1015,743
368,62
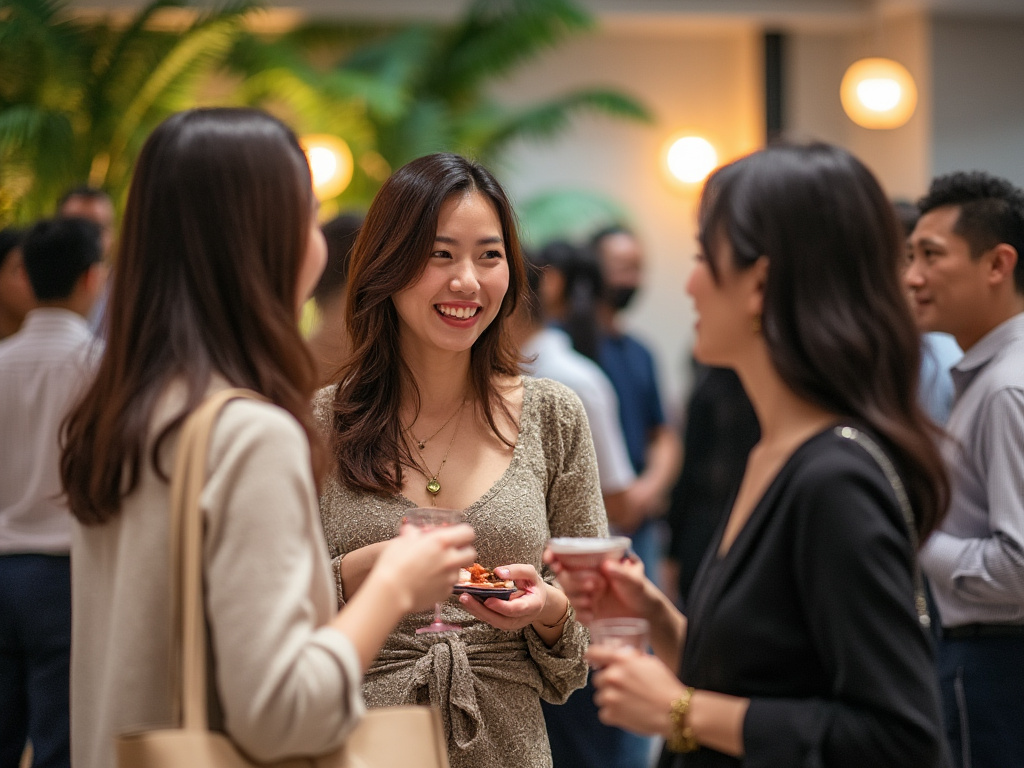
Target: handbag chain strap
186,536
869,445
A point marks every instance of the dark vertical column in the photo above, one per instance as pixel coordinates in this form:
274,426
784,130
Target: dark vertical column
774,82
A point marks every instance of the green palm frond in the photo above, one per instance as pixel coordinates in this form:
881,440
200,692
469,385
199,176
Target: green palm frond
425,128
333,36
109,61
399,59
567,214
497,35
491,130
206,43
252,57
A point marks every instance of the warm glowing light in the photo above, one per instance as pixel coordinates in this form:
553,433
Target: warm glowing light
330,163
878,93
690,159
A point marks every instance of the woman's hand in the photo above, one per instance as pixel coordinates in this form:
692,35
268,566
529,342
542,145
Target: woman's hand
618,588
634,691
421,566
531,602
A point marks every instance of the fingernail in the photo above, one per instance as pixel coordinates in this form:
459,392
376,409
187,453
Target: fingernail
503,572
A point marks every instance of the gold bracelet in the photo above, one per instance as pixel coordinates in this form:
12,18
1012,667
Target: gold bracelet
561,621
681,739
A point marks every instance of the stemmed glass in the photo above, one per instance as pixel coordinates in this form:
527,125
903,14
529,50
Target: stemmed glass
432,517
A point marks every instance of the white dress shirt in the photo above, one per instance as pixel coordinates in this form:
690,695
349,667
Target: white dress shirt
557,360
44,367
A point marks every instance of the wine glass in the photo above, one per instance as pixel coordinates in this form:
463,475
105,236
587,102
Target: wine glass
432,517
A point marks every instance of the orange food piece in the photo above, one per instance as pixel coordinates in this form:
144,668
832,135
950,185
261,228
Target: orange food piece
479,576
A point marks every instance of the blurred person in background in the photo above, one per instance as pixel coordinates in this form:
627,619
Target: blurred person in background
328,341
965,273
44,368
559,281
549,354
85,202
16,297
652,443
939,351
719,431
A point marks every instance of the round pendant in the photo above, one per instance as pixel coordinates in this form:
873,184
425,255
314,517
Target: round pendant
421,445
433,486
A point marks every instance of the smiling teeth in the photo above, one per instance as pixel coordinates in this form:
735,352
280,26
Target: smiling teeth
460,313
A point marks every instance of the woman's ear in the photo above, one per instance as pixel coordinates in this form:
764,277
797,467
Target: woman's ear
758,277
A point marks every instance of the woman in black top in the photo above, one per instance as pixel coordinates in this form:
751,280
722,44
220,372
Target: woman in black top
801,645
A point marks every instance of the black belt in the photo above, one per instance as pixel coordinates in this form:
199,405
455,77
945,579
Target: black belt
969,631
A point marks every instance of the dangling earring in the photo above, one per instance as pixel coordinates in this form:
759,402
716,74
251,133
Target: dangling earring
757,325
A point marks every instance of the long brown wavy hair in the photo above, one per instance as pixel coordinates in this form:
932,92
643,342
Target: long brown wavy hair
215,231
835,319
390,254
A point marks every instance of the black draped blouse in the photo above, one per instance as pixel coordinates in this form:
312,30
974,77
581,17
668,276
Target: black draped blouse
810,614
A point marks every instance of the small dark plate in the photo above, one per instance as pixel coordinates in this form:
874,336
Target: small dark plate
482,593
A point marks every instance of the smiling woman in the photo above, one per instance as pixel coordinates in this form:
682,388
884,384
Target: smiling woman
431,410
464,281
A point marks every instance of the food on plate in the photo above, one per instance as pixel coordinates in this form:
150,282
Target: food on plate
478,576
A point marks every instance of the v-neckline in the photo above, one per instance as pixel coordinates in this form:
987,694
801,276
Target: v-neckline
505,476
715,570
720,556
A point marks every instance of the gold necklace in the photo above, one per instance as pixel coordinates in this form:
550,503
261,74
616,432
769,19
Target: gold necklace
423,443
433,484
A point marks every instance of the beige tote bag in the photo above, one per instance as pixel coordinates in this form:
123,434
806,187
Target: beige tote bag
392,737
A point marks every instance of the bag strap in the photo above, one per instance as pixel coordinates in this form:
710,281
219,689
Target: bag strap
869,445
186,538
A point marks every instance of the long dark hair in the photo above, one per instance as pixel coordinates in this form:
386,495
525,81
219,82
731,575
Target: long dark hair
215,230
390,254
837,324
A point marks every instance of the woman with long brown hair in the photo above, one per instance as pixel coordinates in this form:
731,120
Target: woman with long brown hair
803,643
431,410
219,249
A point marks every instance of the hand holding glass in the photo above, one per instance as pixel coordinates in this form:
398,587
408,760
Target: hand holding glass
432,517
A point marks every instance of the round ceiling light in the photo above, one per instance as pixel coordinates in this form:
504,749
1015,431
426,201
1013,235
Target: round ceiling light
878,93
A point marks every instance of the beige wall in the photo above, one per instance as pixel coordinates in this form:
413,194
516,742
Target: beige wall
706,79
900,157
978,115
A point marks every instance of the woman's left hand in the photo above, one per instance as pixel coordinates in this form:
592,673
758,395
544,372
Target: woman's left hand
634,691
525,606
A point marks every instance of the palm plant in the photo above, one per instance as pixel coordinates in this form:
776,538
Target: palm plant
78,98
445,71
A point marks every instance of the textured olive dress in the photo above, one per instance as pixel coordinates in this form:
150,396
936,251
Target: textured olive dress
488,682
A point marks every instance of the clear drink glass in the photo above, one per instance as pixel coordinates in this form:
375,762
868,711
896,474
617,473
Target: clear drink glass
620,632
433,517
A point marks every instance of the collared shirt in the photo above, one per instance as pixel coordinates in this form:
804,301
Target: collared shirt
976,560
939,353
43,368
557,360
